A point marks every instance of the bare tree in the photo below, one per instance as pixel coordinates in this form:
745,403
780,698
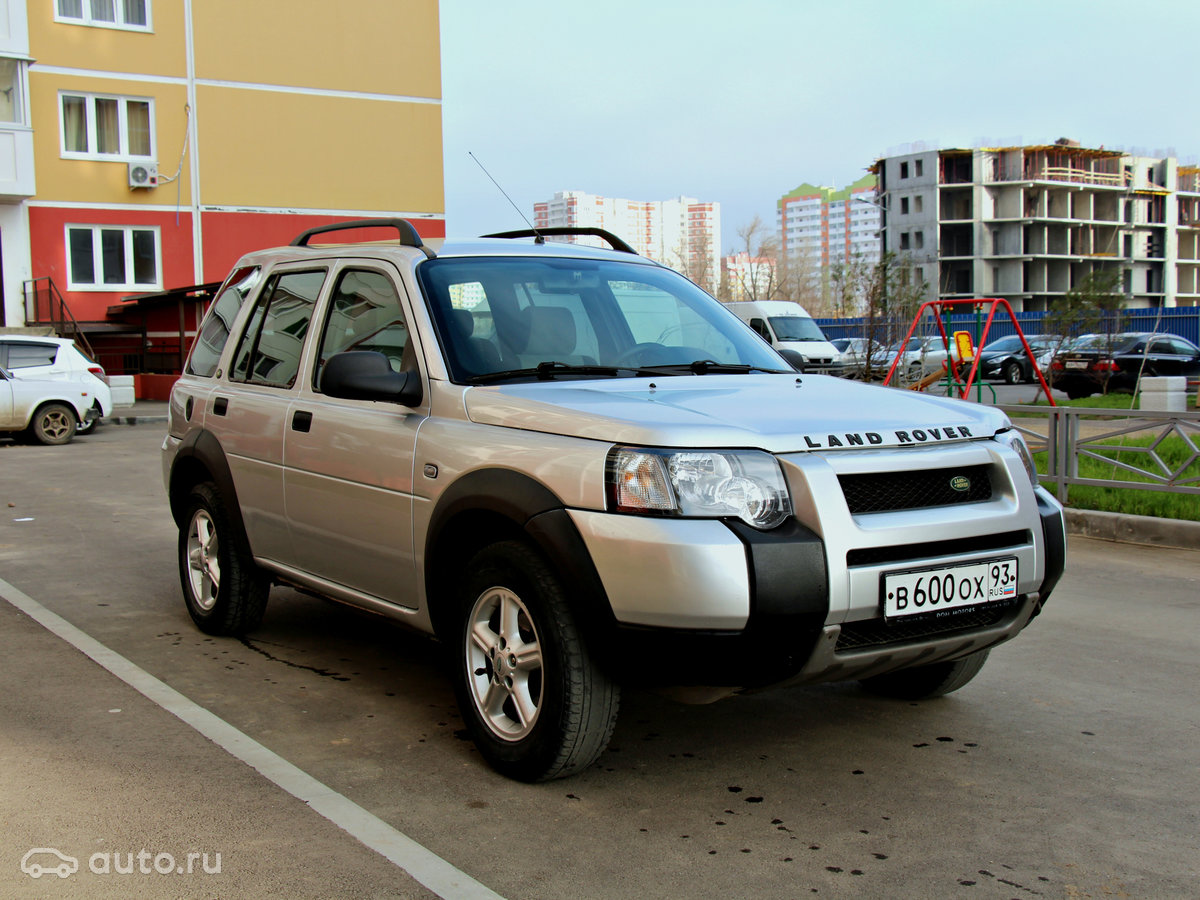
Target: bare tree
759,279
885,293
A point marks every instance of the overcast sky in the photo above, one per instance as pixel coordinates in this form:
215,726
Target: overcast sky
739,102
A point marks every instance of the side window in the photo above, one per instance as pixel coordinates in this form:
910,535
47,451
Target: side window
271,345
25,356
760,326
1162,347
206,352
364,314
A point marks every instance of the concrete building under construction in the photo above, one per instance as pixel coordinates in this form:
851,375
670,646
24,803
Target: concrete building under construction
1030,223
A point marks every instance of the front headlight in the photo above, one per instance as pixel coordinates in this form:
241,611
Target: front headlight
1013,439
746,484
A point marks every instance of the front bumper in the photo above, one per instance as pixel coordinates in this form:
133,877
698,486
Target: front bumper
716,603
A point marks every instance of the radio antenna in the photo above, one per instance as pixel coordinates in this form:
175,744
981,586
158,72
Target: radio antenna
539,239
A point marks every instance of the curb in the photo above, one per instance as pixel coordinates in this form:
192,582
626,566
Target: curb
133,420
1149,530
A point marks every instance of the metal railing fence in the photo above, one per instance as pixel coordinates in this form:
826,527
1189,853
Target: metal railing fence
1180,320
1144,450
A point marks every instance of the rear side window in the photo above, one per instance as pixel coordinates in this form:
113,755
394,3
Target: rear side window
270,349
206,352
24,356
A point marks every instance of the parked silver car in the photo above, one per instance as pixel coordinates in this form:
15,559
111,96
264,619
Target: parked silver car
578,470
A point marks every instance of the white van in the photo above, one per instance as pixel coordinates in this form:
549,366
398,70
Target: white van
788,326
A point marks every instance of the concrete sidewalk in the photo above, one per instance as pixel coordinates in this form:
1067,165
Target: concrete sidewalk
141,412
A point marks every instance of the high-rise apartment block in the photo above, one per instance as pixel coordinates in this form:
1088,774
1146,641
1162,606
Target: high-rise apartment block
820,227
1030,223
682,233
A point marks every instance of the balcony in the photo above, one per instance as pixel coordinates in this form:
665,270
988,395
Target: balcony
16,164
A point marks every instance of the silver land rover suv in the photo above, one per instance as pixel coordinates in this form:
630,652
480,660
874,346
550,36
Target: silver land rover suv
578,470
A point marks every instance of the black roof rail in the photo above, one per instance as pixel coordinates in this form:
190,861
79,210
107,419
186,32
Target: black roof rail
408,234
564,231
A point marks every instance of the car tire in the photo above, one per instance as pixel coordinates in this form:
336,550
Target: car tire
926,682
87,426
1012,372
534,700
225,592
53,424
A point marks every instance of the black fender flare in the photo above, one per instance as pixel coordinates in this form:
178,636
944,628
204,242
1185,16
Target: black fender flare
200,457
490,505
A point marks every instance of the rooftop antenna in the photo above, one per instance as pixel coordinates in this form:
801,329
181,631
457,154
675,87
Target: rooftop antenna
539,239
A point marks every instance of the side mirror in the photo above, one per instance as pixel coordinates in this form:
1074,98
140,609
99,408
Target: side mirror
794,358
367,375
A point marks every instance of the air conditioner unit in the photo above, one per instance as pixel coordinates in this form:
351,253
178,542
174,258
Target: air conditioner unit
143,175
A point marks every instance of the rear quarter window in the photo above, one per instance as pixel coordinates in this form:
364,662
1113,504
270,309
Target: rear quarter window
214,332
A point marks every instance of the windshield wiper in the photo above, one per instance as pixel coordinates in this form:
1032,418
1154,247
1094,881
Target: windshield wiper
707,366
547,371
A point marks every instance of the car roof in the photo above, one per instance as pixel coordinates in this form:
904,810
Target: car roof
36,339
451,248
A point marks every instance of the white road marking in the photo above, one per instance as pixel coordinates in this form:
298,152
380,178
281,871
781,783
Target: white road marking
423,865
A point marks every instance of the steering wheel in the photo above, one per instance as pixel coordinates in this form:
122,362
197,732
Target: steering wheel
646,353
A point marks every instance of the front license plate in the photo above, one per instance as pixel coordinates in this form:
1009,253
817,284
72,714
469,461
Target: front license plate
1075,363
926,591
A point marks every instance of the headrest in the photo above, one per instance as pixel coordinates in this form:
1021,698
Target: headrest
551,330
462,322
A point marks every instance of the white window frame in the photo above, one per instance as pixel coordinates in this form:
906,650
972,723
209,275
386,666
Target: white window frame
123,101
98,258
118,12
21,93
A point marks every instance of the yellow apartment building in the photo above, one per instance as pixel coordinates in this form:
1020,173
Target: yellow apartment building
146,144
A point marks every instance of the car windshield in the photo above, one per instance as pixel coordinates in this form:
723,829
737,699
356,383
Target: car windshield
1006,345
796,328
537,318
1115,343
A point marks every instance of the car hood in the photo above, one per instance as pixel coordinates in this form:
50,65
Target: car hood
778,413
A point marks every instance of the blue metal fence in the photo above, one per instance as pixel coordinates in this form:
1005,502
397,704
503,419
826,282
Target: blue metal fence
1180,320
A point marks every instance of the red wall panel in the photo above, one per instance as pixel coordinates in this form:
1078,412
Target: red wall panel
227,235
48,255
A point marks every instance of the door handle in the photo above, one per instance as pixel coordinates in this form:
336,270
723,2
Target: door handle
220,406
301,421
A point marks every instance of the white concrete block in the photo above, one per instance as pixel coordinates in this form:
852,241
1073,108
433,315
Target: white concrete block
122,389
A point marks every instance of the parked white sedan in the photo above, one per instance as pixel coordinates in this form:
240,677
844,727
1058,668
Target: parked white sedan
44,410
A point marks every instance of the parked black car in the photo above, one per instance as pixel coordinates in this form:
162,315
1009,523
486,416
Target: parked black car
1006,359
1083,369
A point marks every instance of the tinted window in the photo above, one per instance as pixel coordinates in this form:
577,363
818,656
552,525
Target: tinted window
206,352
270,349
23,356
365,314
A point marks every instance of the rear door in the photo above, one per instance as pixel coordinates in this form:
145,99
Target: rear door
349,463
248,412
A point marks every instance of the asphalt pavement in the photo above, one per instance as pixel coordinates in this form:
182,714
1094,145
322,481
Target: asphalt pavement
310,754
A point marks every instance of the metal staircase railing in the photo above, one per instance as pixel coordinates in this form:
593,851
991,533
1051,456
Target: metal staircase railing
44,305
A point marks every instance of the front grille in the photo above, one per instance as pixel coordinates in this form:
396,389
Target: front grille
873,556
876,633
889,491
